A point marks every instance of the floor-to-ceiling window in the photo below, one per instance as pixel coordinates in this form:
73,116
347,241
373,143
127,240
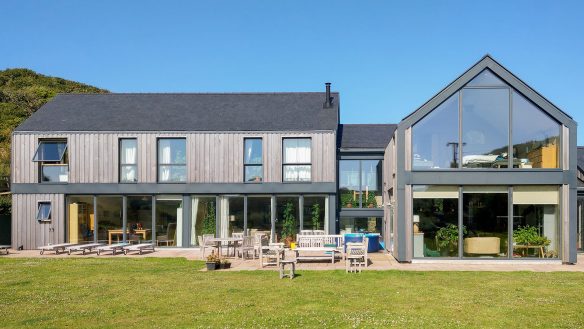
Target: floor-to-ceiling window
81,220
435,221
139,218
287,217
110,219
169,220
315,214
259,214
204,214
232,215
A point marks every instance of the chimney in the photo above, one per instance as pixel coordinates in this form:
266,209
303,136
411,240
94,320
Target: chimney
328,99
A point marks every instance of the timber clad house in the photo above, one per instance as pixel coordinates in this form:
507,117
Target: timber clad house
471,174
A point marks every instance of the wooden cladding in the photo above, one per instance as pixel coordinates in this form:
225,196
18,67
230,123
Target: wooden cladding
27,231
211,157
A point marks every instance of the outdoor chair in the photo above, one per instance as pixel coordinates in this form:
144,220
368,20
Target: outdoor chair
356,256
247,245
205,242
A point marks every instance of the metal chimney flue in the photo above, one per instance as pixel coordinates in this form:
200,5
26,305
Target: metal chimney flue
328,99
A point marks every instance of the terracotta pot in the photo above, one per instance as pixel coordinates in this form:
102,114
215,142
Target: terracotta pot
349,205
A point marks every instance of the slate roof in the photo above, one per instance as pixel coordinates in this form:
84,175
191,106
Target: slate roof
365,136
186,112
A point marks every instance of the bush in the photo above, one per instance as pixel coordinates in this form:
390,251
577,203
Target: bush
5,204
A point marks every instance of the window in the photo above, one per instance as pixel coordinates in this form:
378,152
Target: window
172,160
252,160
44,211
472,129
297,160
360,183
128,160
53,161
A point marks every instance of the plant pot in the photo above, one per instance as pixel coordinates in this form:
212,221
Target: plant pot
212,266
370,205
288,241
349,205
225,266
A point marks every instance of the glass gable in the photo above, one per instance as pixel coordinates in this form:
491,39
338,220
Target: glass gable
486,78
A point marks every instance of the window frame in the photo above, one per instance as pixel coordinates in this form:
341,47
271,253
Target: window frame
245,165
39,217
121,164
284,164
63,162
361,203
158,163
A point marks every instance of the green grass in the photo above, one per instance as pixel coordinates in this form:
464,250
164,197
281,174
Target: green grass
173,293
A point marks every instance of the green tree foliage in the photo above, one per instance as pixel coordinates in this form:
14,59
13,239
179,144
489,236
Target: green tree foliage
22,92
315,216
289,223
209,219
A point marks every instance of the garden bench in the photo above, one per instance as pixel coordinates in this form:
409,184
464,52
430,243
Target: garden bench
319,247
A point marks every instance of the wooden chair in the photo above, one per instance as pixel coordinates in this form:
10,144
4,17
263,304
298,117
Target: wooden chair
170,237
205,242
247,245
356,256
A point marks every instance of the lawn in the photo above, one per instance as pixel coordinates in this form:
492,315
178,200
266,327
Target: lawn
173,293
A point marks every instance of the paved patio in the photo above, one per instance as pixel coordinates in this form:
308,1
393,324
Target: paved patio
378,261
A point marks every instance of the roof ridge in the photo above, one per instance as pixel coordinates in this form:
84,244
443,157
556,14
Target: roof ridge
201,93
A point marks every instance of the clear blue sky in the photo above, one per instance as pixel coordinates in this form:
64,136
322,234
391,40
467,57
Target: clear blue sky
385,57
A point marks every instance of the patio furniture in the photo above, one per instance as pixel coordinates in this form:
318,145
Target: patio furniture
205,242
169,238
83,247
5,248
356,257
247,245
229,242
114,248
238,235
272,254
55,247
292,268
139,247
260,239
319,247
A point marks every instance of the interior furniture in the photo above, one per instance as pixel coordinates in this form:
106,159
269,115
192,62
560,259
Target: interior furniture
525,248
120,232
482,245
418,245
170,237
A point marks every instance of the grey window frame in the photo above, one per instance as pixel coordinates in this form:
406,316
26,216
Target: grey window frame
42,163
380,179
284,164
38,214
158,164
245,165
121,164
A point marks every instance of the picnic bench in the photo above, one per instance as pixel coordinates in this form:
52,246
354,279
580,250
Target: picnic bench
114,248
319,247
139,247
5,248
55,247
83,247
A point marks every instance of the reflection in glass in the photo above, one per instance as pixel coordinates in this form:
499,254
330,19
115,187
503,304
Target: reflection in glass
536,136
287,217
55,173
259,215
315,213
109,219
204,218
435,221
349,183
172,159
485,221
536,227
253,160
128,160
371,183
485,128
169,219
435,138
297,159
486,78
361,224
231,216
80,218
139,219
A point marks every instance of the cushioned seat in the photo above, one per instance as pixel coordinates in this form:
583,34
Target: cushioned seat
482,245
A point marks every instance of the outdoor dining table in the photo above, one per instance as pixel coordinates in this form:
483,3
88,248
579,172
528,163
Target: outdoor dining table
231,242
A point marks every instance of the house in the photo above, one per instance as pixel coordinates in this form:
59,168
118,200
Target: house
486,169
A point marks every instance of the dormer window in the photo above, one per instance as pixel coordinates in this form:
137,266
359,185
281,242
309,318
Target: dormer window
53,161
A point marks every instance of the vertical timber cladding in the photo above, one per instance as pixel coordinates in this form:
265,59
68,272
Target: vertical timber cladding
30,233
211,157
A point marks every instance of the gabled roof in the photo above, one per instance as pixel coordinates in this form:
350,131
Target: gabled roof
364,136
487,62
186,112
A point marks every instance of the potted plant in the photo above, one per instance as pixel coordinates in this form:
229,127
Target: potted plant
371,201
212,261
224,264
447,238
315,216
346,200
529,236
209,219
288,224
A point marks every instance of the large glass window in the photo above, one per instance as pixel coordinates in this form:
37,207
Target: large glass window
435,138
172,160
296,162
169,220
81,220
536,136
287,217
53,161
259,215
485,128
110,228
128,160
536,227
435,221
252,160
485,228
232,219
486,104
360,183
315,213
204,217
361,224
139,219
